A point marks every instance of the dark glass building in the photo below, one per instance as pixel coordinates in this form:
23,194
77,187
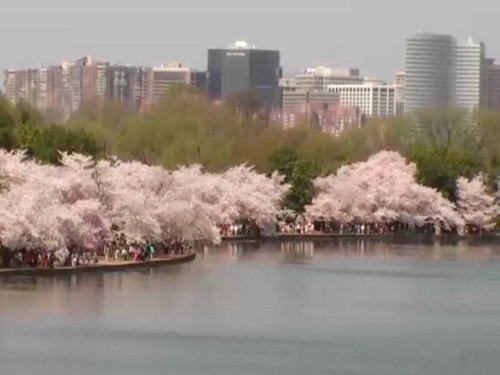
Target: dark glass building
241,68
124,84
199,79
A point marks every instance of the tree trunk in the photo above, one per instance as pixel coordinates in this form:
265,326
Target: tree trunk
4,257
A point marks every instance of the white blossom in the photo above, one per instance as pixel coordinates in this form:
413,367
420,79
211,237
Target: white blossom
382,189
475,204
81,202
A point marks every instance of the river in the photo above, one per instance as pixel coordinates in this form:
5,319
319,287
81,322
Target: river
347,307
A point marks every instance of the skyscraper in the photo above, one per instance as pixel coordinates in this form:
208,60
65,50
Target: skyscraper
160,79
319,78
443,72
399,95
493,84
242,67
371,99
429,68
124,84
470,75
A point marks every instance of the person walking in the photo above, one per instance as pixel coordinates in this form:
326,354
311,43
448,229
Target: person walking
152,251
106,252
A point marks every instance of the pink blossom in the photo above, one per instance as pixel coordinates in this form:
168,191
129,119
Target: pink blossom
475,204
382,189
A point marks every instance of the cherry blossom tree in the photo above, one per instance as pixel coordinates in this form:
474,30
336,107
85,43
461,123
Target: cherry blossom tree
50,208
237,194
475,204
382,189
81,202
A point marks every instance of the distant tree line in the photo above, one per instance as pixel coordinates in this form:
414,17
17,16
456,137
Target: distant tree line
186,128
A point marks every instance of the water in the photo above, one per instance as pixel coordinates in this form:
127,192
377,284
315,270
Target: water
342,307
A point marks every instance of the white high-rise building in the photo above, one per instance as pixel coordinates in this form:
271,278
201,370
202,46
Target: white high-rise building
371,99
160,79
470,75
443,72
319,78
399,99
293,97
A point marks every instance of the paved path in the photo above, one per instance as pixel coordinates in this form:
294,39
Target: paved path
103,266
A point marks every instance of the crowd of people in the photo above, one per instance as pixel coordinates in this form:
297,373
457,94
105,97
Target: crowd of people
119,250
122,250
245,229
301,225
48,259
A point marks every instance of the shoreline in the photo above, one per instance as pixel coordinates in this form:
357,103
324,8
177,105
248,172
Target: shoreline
102,267
331,236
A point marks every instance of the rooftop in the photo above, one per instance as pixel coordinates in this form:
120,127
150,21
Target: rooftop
240,44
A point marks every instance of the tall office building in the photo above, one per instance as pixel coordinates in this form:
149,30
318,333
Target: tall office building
399,96
93,78
312,86
429,68
199,79
61,89
242,67
470,75
294,96
22,85
58,89
493,84
160,79
443,72
321,77
371,99
124,84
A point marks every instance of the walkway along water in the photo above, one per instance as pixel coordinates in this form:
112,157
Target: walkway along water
102,267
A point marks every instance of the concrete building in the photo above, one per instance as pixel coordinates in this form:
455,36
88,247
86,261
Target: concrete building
124,84
372,100
28,85
470,75
93,77
242,67
10,83
321,77
429,68
199,79
58,89
312,85
293,96
443,72
160,79
493,84
399,95
332,119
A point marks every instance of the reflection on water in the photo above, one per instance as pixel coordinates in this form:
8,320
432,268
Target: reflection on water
420,247
344,306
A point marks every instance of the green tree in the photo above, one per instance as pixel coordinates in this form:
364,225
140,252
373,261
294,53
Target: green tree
284,161
7,124
301,190
445,146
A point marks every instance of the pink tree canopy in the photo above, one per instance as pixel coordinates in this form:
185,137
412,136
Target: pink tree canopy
381,189
81,202
475,204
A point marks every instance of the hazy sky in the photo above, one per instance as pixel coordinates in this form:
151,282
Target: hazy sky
368,34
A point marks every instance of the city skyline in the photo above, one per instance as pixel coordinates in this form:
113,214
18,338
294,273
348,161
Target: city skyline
441,72
147,35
